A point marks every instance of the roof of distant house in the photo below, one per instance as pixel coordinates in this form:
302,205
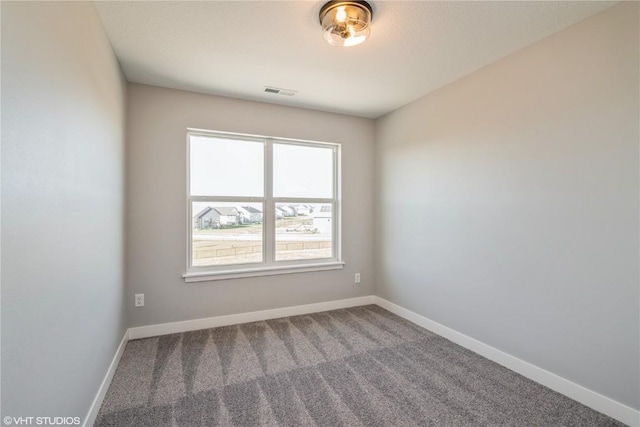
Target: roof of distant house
202,212
251,209
225,211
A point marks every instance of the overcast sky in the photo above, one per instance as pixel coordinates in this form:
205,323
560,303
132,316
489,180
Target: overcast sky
228,167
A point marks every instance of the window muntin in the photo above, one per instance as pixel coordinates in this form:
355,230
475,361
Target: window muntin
225,235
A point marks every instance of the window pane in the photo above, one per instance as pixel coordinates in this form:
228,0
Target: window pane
226,167
304,231
226,233
300,171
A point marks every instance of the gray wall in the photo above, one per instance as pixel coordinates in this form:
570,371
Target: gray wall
157,211
62,208
508,205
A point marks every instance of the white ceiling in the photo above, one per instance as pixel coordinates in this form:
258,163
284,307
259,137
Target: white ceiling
236,48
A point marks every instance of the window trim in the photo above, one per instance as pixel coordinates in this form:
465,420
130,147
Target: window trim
268,265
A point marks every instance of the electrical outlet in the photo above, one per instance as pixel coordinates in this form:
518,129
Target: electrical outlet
139,300
357,277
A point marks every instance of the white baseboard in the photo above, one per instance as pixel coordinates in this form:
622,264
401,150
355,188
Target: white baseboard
570,389
254,316
102,391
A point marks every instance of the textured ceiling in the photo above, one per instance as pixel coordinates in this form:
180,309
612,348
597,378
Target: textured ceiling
236,48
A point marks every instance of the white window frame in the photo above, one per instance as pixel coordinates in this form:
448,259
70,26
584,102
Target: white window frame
268,266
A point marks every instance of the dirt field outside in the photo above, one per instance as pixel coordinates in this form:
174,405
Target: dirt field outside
295,239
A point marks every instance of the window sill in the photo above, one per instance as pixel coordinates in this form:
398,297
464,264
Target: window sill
261,271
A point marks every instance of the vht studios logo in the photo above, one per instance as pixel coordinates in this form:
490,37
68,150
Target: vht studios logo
41,421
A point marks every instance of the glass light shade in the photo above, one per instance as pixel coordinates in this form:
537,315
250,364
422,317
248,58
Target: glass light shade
346,23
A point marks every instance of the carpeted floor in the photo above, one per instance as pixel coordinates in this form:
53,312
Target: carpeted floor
361,366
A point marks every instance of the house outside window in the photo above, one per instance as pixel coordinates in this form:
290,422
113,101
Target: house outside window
261,205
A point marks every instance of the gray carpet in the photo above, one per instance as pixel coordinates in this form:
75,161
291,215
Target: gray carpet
361,366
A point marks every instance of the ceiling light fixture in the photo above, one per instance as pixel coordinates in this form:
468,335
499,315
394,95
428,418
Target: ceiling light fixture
346,23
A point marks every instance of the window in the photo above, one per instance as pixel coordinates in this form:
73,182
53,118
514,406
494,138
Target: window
261,205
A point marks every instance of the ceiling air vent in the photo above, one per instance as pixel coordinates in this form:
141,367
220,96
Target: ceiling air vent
280,91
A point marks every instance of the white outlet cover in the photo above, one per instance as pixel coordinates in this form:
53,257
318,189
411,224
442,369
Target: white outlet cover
139,300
